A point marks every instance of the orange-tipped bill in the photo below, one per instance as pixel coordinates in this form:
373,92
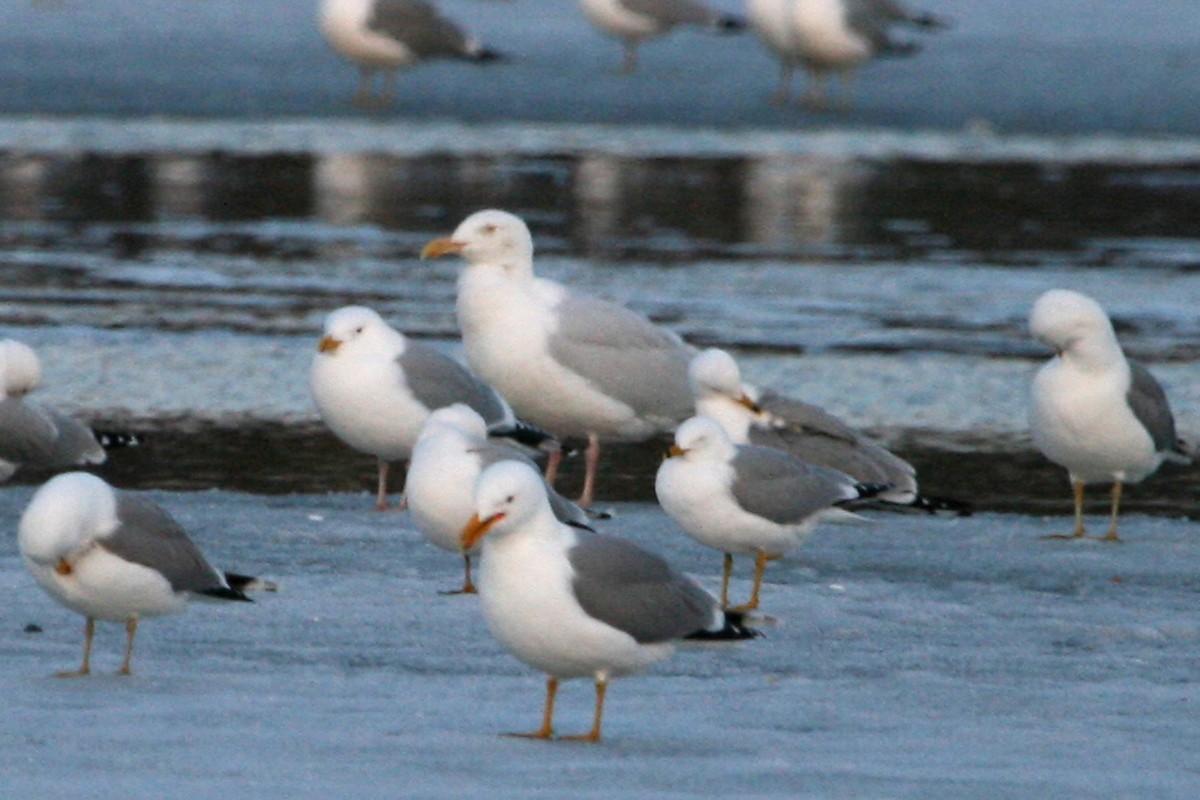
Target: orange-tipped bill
750,404
441,247
328,344
476,529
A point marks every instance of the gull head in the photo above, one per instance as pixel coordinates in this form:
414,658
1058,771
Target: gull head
714,373
64,516
1064,319
702,439
20,369
507,494
358,329
458,419
490,237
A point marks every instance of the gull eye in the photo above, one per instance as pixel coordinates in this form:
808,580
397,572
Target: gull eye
359,329
510,499
489,228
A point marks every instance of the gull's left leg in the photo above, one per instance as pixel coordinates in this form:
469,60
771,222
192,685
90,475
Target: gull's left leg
594,734
131,625
591,459
1112,536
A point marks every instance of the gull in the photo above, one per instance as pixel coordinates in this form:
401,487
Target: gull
374,387
1093,411
831,37
32,434
766,418
748,499
569,363
115,556
389,35
578,604
632,21
452,449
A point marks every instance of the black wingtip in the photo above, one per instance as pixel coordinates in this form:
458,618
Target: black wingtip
528,435
225,593
736,628
869,490
487,55
113,440
931,22
729,23
249,583
933,505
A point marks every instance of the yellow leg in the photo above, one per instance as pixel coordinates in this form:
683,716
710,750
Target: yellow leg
468,586
1112,536
130,631
89,632
547,729
1079,532
594,734
760,565
725,576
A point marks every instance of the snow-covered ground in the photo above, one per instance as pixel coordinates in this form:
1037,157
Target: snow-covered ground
912,658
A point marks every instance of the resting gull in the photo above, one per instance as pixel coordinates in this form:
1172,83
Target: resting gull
1093,411
572,364
32,434
633,21
751,415
748,499
452,449
831,36
115,556
374,387
577,604
388,35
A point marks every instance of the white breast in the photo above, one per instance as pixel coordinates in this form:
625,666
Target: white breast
106,587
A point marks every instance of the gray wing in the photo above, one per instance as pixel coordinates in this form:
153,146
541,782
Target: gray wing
1148,402
147,535
39,436
437,380
624,355
817,437
420,27
27,433
772,484
673,12
635,591
564,510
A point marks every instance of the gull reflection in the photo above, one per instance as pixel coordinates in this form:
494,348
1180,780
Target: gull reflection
799,201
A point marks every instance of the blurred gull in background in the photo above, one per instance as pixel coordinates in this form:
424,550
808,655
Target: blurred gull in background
632,21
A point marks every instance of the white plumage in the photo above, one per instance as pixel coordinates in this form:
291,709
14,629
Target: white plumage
1092,411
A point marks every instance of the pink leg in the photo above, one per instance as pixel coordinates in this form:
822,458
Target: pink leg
552,466
381,499
591,459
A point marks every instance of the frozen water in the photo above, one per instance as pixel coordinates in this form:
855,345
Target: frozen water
912,657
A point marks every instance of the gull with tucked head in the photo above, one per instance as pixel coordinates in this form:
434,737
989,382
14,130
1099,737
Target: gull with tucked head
115,556
1093,411
577,604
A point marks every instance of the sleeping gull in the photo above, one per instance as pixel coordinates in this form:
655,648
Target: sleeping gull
632,21
577,604
751,415
115,556
572,364
1101,416
373,387
452,449
32,434
388,35
748,499
831,37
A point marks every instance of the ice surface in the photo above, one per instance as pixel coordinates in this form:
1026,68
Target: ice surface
913,657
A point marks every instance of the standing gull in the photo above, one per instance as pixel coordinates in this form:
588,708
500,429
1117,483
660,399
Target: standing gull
32,434
632,21
831,37
1093,411
389,35
373,387
577,604
569,363
452,449
747,499
750,415
115,556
